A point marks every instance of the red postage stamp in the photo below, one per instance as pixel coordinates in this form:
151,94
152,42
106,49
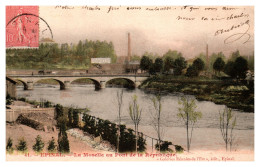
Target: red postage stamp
22,26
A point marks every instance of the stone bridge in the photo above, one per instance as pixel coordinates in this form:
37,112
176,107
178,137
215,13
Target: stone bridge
99,80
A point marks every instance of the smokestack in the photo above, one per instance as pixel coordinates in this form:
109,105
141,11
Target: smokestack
129,48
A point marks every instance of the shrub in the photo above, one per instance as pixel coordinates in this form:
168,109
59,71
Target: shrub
9,146
63,143
108,131
164,146
179,149
22,145
38,146
52,146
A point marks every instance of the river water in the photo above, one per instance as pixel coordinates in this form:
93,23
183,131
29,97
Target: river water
103,104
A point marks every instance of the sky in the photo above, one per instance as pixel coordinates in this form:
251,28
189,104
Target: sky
185,29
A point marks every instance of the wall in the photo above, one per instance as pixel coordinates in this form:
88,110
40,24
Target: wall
13,114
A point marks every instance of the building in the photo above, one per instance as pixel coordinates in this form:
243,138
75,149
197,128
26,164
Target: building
10,87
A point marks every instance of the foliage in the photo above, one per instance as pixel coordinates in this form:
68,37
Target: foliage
70,111
52,146
164,146
108,131
39,145
226,125
158,64
168,63
9,146
145,63
51,56
191,71
240,67
58,111
9,100
173,54
219,65
189,115
178,148
135,113
178,65
63,142
75,118
229,69
198,64
22,145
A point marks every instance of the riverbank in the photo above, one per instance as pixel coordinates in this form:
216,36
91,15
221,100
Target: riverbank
235,95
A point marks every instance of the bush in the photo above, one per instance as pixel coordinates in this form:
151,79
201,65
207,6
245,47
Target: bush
108,131
22,145
164,146
9,146
38,146
52,146
179,149
63,143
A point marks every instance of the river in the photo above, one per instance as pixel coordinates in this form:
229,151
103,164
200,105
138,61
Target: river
102,104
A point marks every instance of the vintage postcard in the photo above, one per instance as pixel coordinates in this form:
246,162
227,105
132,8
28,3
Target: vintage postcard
130,83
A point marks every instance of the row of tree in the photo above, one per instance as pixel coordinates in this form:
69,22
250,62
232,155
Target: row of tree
52,55
37,147
173,62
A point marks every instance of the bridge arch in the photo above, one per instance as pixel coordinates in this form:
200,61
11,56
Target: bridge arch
25,85
62,85
95,82
130,83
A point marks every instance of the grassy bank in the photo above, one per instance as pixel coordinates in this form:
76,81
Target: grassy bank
235,95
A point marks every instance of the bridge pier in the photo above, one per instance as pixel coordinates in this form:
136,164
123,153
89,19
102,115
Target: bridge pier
103,84
64,85
29,85
137,84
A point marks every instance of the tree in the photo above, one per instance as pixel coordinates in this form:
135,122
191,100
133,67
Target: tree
119,98
145,63
229,69
39,145
75,118
156,117
152,70
219,65
135,113
63,142
158,64
70,116
178,65
9,146
241,66
226,126
58,111
168,63
198,64
191,71
22,145
189,115
52,146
